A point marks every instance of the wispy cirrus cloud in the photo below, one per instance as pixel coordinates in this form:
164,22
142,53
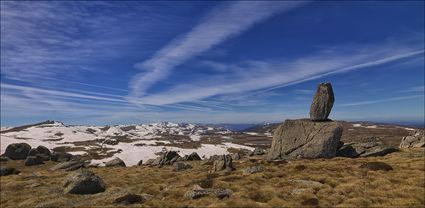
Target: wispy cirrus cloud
222,23
369,102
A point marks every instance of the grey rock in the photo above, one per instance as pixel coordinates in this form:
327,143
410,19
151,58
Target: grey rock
305,139
140,163
224,162
60,156
258,151
149,162
180,166
168,158
210,160
130,199
379,151
33,160
17,151
198,192
366,149
415,139
69,165
236,156
43,157
5,171
33,152
193,156
43,150
83,181
116,162
253,169
322,102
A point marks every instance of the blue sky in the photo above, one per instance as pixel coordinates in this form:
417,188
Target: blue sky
209,62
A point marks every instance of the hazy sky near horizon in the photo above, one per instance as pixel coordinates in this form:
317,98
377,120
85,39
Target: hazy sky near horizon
209,62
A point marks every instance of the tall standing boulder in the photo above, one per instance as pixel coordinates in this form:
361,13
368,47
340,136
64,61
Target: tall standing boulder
17,151
305,139
322,102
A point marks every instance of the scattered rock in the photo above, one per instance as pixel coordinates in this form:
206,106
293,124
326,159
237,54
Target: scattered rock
236,156
69,165
130,199
149,162
17,151
179,166
415,139
322,103
33,152
140,163
305,139
33,160
258,151
60,156
43,150
168,158
224,162
116,162
193,156
4,159
375,166
253,169
366,149
8,171
198,192
83,181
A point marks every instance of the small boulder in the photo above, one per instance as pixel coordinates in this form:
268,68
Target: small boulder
33,160
365,149
69,165
180,166
258,151
168,158
83,181
60,156
140,163
4,159
375,166
8,171
17,151
224,162
33,152
193,156
252,170
198,192
130,199
322,103
116,162
43,150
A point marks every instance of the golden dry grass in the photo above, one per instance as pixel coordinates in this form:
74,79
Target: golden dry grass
345,184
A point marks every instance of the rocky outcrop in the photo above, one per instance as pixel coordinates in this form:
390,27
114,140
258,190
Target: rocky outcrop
192,157
8,171
116,162
33,160
168,158
415,139
305,139
17,151
4,159
224,162
83,181
322,102
366,149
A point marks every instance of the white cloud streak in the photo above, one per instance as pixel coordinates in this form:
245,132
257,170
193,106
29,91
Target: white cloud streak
369,102
222,23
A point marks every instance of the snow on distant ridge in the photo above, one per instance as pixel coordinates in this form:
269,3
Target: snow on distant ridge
129,142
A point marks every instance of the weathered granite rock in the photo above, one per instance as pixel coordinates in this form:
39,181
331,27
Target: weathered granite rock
198,192
8,171
168,158
415,139
116,162
60,156
236,156
305,139
258,151
33,160
69,165
83,181
224,162
43,150
193,156
17,151
140,163
365,149
322,102
130,199
252,170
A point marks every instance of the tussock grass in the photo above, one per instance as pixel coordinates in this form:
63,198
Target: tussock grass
344,184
